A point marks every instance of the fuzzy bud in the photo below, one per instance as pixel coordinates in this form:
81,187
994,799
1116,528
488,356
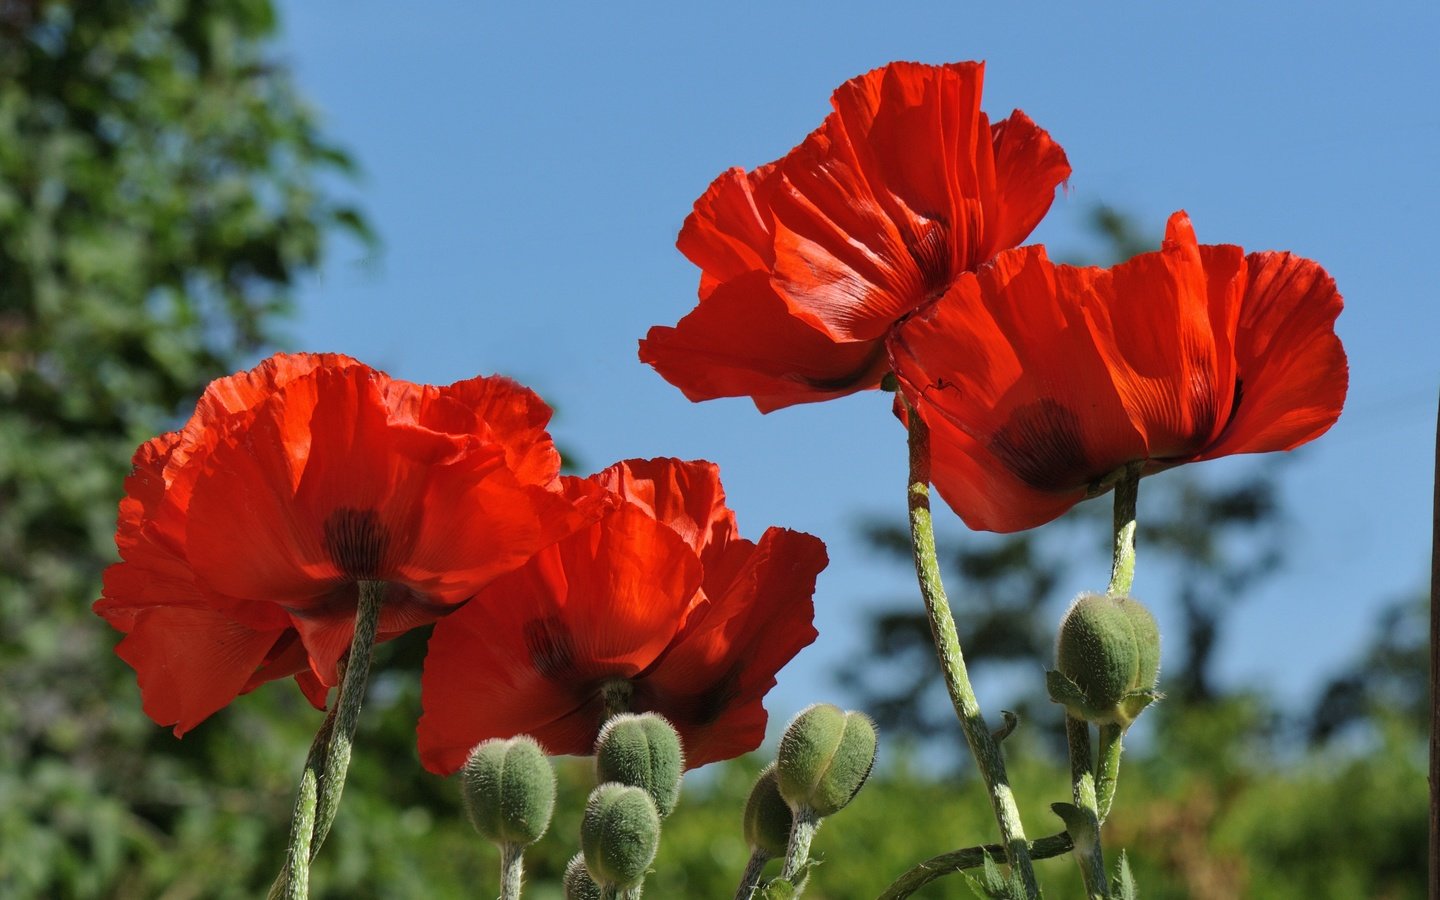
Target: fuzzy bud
577,883
509,790
642,751
825,756
767,816
1107,659
619,835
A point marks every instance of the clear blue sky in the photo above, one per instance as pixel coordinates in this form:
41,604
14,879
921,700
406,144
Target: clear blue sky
528,165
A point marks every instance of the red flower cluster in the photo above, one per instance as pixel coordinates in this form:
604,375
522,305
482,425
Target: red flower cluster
885,243
660,603
245,535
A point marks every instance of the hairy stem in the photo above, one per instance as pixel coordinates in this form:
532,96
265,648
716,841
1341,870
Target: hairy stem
1107,769
969,858
512,867
324,775
1088,852
751,879
802,832
1122,569
952,660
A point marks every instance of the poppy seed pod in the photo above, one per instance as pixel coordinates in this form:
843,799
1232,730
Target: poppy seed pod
577,882
642,751
509,790
825,756
1108,659
767,816
619,835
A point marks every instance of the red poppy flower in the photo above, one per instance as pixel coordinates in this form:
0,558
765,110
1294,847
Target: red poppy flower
243,535
808,261
1039,380
661,599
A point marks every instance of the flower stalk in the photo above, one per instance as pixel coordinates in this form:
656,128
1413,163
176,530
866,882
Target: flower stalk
1122,578
512,868
323,779
952,661
1088,850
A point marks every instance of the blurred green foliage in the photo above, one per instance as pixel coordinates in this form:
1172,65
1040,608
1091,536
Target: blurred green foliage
161,190
159,196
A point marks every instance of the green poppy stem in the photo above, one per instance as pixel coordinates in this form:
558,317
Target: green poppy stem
754,870
1122,578
1088,851
917,876
952,660
512,868
802,833
1122,569
324,776
1107,772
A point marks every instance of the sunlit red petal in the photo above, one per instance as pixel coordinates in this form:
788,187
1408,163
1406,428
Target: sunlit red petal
809,262
687,496
191,662
756,616
742,341
493,408
603,603
1290,365
1007,357
730,231
1163,322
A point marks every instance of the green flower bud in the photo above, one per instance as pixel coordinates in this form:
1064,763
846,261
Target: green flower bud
619,835
642,751
577,882
509,790
1107,660
767,816
825,756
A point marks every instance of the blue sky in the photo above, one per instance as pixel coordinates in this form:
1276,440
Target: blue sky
528,165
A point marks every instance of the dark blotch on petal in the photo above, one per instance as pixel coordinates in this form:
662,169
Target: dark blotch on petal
1041,445
694,710
552,648
356,542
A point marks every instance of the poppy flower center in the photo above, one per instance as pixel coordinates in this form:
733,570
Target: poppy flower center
356,541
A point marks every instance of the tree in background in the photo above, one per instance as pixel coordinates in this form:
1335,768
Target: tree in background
159,197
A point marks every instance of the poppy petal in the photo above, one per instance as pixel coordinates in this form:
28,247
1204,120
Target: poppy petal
1291,368
1163,324
191,662
1032,391
711,682
743,341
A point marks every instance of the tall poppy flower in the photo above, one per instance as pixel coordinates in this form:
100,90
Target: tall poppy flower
808,261
243,536
1038,381
660,603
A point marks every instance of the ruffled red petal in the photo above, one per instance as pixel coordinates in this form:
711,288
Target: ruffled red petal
808,262
1007,358
756,616
1291,370
743,341
191,662
538,643
686,496
1037,381
1164,323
